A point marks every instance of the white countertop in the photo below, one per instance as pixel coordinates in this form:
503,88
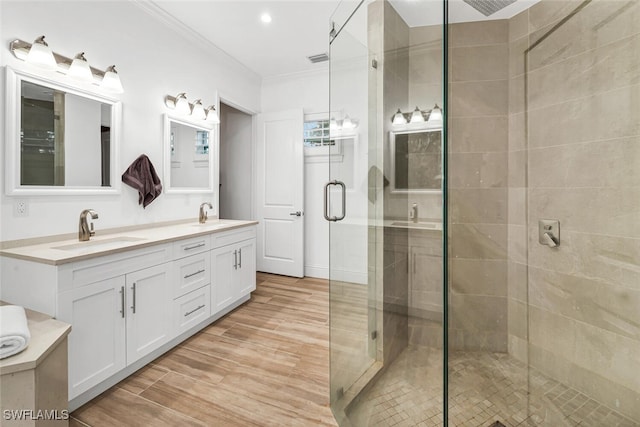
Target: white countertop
59,252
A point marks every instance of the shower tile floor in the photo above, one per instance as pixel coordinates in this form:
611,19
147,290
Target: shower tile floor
483,388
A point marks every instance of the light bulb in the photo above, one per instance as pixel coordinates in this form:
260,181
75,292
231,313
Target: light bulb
333,124
212,114
436,114
41,55
182,105
79,68
416,116
399,118
111,81
197,110
347,123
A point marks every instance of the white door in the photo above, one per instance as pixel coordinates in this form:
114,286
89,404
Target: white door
246,267
280,193
223,262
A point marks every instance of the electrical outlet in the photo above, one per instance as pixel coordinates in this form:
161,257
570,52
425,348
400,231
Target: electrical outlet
21,208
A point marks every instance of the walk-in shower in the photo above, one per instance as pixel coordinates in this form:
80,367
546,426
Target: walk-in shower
487,269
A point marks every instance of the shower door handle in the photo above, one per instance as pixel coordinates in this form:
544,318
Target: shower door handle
326,201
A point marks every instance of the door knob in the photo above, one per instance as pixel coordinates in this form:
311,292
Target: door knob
296,213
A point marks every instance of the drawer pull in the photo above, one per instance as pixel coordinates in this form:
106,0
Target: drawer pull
194,310
188,248
193,274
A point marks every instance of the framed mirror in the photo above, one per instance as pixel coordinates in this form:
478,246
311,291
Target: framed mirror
59,139
416,160
189,152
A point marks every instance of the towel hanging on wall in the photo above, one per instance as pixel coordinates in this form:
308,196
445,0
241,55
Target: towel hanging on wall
14,332
142,176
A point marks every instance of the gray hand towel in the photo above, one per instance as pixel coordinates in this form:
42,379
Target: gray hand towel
142,176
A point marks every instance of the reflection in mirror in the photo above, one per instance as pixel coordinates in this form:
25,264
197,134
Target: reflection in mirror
416,160
65,139
60,139
190,152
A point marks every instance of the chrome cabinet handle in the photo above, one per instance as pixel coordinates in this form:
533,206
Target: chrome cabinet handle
122,301
240,258
199,245
235,260
133,307
194,310
326,201
193,274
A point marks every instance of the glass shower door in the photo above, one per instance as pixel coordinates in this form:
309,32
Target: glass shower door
347,200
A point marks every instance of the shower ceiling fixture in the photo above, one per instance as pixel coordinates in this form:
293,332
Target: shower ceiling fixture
488,7
40,54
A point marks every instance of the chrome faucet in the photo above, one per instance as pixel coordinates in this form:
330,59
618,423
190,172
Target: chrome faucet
202,217
414,212
85,231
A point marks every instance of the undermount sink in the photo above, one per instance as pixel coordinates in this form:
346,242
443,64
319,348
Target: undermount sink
111,243
427,225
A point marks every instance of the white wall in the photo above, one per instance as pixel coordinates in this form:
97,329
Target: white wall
236,152
153,61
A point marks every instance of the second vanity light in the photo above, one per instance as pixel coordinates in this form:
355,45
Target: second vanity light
40,54
181,105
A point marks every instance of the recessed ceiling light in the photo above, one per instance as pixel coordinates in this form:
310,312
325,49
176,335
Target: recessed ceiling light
266,18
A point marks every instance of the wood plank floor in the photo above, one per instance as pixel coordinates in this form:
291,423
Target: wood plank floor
265,364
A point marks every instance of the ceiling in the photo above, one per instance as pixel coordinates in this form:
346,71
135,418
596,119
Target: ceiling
299,28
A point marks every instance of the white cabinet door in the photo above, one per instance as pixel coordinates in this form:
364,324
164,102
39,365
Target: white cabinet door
150,304
246,272
223,262
97,338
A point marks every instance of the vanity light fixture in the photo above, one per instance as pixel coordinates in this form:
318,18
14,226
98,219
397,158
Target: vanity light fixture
79,68
416,116
40,54
212,114
435,115
111,80
399,118
197,110
333,124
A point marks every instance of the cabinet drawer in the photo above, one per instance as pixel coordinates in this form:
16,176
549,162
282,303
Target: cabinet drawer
191,273
191,309
233,236
186,247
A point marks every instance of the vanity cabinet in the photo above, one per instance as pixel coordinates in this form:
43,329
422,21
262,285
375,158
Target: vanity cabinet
115,322
233,261
128,307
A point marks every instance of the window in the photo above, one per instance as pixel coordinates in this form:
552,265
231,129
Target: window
202,142
316,134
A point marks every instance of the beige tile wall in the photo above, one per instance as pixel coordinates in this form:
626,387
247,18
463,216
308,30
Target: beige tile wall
582,103
478,185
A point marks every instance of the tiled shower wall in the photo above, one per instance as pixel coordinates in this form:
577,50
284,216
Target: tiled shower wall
576,152
478,178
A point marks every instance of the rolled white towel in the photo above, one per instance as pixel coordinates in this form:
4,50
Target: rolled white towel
14,332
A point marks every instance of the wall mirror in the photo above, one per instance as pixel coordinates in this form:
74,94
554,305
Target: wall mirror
416,160
60,140
189,156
